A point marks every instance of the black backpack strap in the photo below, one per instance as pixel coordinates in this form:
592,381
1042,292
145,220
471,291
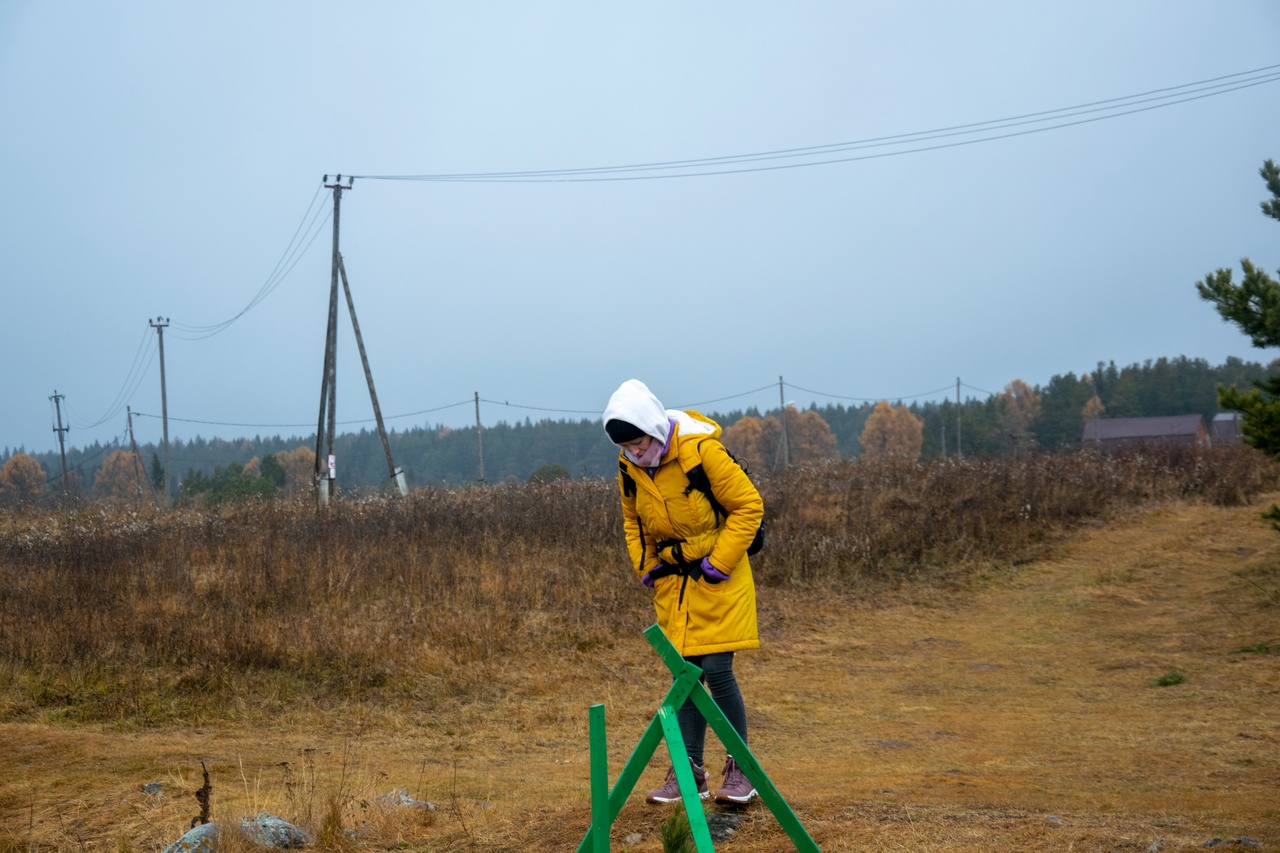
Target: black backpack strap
676,546
629,491
699,480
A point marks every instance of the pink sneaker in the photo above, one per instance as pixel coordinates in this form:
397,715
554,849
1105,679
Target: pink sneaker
670,790
736,788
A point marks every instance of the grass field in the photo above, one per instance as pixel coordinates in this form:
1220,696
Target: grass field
1118,689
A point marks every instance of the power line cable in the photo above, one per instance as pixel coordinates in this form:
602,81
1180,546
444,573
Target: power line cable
294,426
596,412
293,253
131,382
115,444
982,390
539,408
1113,107
768,387
558,410
426,411
869,399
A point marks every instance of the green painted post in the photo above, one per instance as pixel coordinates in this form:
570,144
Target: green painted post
600,820
733,742
665,650
648,745
769,794
684,776
686,683
634,767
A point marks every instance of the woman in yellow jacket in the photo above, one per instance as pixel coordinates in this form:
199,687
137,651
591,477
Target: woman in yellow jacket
691,556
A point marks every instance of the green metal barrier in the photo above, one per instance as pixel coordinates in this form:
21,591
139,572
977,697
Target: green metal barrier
606,803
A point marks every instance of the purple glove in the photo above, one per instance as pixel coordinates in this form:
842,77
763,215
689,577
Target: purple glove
710,573
646,578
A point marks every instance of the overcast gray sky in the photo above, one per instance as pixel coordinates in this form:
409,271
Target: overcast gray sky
161,159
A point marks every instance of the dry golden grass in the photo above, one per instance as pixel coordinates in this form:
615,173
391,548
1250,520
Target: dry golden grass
1018,712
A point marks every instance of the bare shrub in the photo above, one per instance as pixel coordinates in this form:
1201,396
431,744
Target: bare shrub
222,612
876,520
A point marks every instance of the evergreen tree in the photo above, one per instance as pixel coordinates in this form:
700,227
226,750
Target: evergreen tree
157,474
1062,403
271,471
1254,306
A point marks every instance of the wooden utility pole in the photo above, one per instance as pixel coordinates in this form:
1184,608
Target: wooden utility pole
959,453
326,425
160,324
784,449
396,474
139,468
479,437
325,465
62,445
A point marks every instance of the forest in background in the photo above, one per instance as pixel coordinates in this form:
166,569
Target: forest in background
1017,418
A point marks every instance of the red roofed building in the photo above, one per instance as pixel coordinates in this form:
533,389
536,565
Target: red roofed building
1116,433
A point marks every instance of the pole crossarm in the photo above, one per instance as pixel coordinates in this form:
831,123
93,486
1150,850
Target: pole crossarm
686,684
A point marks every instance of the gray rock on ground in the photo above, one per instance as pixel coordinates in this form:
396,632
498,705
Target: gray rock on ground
1240,842
403,798
198,839
271,831
265,829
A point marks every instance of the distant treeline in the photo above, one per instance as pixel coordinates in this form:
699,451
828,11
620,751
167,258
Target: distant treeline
444,456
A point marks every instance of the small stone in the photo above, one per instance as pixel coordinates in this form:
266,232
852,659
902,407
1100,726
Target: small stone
633,839
721,825
155,789
402,798
1155,845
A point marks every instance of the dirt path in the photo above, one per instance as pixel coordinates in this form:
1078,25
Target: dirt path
1022,716
1038,695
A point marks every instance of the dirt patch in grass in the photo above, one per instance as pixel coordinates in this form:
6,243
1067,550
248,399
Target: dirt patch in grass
1021,713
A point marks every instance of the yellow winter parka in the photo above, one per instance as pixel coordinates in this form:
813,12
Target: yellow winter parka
664,520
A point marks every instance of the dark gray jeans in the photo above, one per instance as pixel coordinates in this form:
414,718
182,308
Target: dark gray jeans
722,684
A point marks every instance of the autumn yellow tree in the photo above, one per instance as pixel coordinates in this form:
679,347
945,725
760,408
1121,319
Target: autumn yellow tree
756,441
1092,410
809,438
299,470
892,431
22,482
1017,408
121,481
